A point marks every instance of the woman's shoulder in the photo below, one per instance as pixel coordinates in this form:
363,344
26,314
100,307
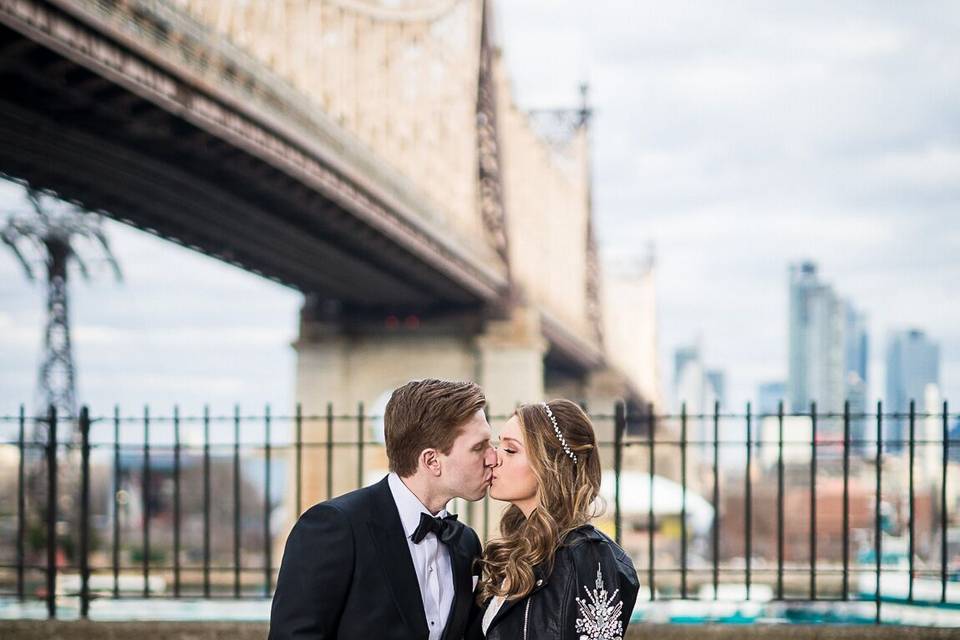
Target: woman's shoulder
585,534
587,539
588,554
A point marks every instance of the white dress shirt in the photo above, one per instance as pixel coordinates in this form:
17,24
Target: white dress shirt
431,559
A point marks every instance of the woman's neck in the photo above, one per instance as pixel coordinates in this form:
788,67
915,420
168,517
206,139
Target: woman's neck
527,506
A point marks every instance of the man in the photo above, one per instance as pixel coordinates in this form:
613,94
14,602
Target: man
387,561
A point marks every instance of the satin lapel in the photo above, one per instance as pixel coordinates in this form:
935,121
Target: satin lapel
395,560
460,561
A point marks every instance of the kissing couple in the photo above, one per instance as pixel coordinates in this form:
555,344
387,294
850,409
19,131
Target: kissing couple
389,562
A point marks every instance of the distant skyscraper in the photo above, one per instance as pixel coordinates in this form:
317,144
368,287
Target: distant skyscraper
688,379
769,396
717,385
913,363
856,353
828,350
697,389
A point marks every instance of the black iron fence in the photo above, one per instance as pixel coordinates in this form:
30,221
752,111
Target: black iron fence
808,506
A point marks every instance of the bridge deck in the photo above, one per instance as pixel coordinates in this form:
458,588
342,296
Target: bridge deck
97,117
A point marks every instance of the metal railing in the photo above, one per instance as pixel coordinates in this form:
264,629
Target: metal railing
208,498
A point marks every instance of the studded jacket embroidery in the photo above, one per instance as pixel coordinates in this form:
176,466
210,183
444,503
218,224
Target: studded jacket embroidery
599,614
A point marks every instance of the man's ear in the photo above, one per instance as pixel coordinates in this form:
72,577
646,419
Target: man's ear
430,461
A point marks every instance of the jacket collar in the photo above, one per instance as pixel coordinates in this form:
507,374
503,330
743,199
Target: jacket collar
541,578
408,505
387,532
389,536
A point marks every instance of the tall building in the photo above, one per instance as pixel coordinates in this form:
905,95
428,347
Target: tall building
698,389
717,384
913,363
769,395
856,354
828,350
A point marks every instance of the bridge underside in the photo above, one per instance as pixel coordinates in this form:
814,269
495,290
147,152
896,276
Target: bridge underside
90,139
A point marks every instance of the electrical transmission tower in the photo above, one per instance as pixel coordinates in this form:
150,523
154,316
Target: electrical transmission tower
49,237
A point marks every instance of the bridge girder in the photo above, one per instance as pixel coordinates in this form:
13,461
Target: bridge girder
171,158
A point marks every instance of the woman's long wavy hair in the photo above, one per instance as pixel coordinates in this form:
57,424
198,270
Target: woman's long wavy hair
568,499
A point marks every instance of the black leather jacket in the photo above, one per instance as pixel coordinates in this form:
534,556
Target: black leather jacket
590,592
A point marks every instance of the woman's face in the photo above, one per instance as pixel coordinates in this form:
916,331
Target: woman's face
513,478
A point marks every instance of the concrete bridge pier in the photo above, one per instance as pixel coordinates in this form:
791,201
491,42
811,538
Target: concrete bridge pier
344,362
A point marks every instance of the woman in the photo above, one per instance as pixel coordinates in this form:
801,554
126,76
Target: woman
551,574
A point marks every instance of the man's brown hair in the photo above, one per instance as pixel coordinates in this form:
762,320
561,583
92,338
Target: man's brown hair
427,414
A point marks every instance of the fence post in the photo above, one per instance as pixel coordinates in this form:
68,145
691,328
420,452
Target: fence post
21,504
911,494
206,501
651,521
176,501
780,491
877,531
748,508
716,498
267,506
943,505
237,506
620,425
52,512
329,451
299,458
846,500
146,501
683,501
360,443
84,513
116,501
813,500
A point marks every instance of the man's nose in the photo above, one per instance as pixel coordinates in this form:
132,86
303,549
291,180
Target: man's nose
491,459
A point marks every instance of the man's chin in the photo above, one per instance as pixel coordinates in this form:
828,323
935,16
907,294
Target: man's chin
480,494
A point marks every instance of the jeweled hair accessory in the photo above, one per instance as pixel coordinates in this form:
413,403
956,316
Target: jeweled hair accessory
556,429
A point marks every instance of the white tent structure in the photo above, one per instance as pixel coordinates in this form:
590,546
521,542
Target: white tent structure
667,499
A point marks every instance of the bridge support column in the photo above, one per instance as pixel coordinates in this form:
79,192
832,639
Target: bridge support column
510,358
343,362
603,389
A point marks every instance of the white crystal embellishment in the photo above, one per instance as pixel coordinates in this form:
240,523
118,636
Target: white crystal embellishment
600,614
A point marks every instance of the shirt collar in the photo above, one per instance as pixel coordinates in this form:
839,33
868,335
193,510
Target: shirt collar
408,505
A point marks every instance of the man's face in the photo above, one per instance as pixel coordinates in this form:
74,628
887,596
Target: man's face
467,469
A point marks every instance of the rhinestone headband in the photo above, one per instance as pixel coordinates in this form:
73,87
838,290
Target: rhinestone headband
556,429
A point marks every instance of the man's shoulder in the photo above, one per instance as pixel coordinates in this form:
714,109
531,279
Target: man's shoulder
355,504
356,501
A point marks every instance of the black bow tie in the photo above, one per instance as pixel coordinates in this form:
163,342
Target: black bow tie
444,528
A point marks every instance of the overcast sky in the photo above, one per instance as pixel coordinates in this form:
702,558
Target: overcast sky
737,137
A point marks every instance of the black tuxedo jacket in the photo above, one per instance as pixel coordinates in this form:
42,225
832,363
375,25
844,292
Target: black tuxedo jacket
347,573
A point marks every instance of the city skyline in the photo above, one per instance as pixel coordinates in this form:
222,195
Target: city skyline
742,139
